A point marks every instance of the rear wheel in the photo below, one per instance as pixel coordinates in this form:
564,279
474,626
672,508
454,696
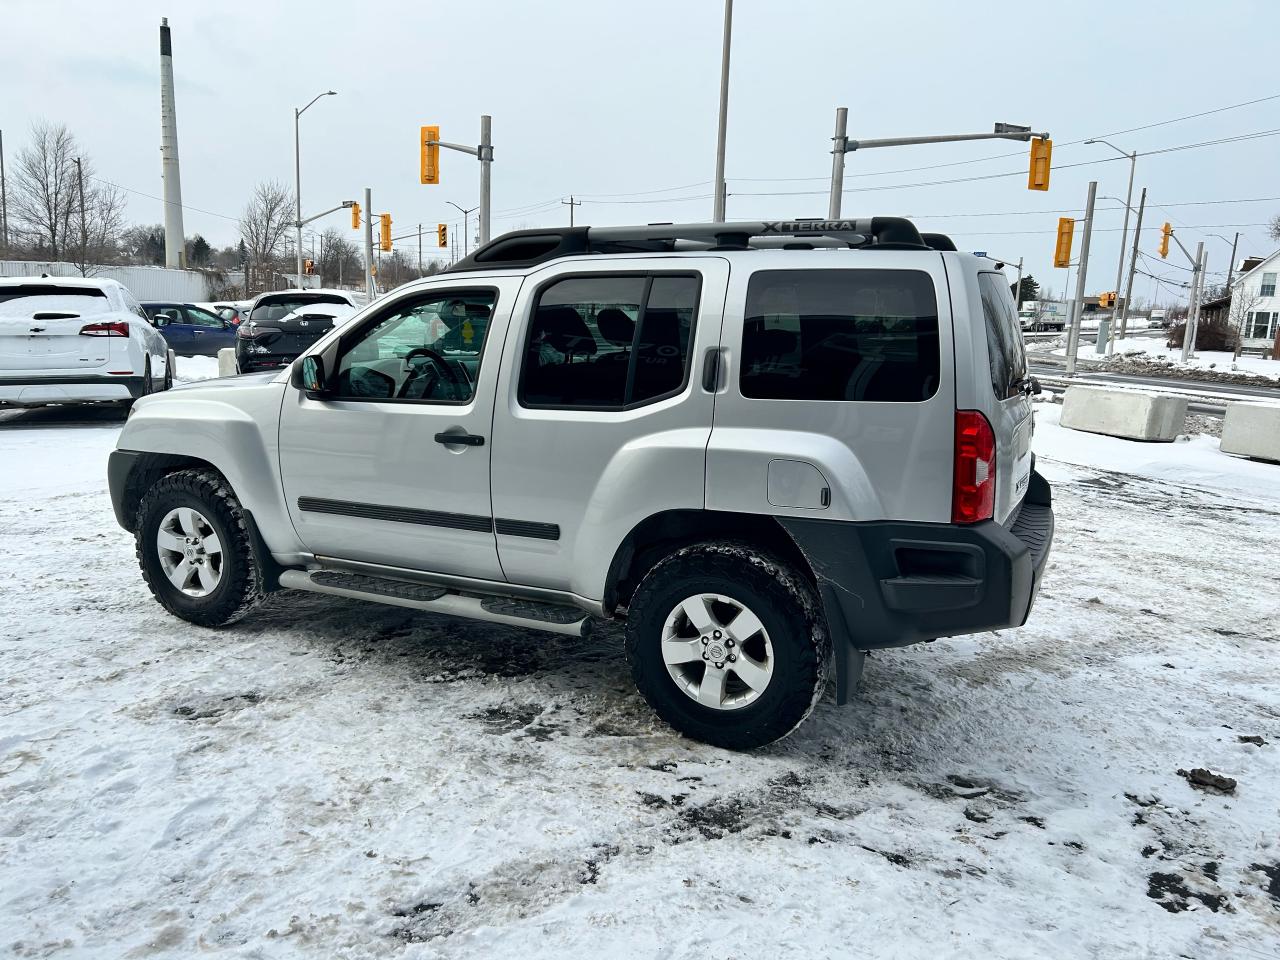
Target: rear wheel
147,386
195,548
169,363
728,645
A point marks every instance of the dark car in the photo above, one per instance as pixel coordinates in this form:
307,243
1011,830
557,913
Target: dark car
282,325
190,330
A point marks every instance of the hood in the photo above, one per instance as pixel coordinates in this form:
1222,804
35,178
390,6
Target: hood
223,383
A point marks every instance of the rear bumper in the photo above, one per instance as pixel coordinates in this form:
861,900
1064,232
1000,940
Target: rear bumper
247,361
34,390
892,583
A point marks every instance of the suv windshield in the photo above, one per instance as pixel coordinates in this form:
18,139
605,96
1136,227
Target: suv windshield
276,307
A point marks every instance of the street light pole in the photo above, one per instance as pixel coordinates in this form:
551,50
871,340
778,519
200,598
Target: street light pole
721,191
1193,312
464,224
297,177
1128,201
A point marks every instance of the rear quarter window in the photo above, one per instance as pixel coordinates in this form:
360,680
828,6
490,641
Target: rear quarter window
1005,352
852,334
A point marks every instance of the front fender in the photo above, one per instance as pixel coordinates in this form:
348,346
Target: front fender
234,429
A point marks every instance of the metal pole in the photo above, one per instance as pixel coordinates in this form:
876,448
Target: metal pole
1017,289
1124,233
1193,311
368,244
1133,265
1077,308
720,190
839,144
84,224
297,190
1231,267
486,160
4,203
419,250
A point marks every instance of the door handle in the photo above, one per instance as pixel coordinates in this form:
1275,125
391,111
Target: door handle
711,370
462,439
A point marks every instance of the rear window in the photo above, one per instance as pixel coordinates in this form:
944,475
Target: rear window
25,299
273,308
1005,352
869,335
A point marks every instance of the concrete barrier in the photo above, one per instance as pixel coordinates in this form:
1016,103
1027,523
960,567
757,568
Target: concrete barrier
227,362
1252,430
1130,414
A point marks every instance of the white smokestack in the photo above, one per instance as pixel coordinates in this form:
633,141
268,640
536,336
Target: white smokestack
173,235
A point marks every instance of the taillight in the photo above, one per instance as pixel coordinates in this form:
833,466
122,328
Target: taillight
246,331
117,329
973,486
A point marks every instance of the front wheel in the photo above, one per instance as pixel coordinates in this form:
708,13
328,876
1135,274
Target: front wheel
728,645
196,550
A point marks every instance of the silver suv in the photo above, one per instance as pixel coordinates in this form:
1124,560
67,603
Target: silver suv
767,448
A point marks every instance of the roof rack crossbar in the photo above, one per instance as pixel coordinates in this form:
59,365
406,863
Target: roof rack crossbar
525,248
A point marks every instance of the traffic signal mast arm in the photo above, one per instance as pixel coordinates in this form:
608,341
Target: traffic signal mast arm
461,148
1185,252
342,206
1019,134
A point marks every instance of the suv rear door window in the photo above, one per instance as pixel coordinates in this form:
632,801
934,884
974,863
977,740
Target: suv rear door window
273,308
609,342
1005,352
852,334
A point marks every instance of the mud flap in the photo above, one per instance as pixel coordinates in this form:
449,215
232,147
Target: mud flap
849,661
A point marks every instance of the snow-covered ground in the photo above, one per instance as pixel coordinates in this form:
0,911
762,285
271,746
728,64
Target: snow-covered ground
335,779
1219,361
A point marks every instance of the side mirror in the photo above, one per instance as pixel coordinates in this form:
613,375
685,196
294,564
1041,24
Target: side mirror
309,377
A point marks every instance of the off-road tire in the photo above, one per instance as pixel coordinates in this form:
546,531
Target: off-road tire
786,604
241,586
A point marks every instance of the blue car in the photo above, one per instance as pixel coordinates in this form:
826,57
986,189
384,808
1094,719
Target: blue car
190,330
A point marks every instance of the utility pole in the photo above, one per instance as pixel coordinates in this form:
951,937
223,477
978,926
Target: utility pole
1124,233
843,145
571,203
369,287
84,224
1077,308
1230,268
1133,265
1193,311
721,190
1017,289
4,203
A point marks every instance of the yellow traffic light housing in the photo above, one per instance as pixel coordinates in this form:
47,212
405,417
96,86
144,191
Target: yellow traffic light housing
385,240
1107,300
442,234
1165,233
1066,232
429,163
1041,155
355,216
308,267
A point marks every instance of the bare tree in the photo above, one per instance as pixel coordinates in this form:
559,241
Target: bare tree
339,261
1244,300
1273,230
46,204
264,227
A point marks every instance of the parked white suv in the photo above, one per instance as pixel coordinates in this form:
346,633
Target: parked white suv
68,339
767,447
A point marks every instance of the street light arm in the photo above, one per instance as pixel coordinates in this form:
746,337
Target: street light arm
342,206
327,93
851,145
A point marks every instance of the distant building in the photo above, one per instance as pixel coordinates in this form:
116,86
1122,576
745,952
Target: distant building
1255,289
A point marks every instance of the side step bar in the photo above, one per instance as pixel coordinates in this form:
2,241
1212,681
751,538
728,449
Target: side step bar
530,614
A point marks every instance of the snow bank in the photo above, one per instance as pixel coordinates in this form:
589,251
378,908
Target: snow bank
1219,361
195,368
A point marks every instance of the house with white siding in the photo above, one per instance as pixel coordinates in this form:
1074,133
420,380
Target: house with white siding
1256,290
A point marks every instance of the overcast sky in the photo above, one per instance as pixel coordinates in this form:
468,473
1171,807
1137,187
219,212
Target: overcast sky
616,103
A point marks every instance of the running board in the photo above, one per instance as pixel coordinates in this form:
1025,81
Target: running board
513,612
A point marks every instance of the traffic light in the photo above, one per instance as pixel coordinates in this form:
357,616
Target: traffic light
308,267
1165,233
1041,153
355,216
1107,300
1062,252
430,160
385,241
442,234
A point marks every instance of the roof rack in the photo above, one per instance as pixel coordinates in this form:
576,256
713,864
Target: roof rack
527,248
